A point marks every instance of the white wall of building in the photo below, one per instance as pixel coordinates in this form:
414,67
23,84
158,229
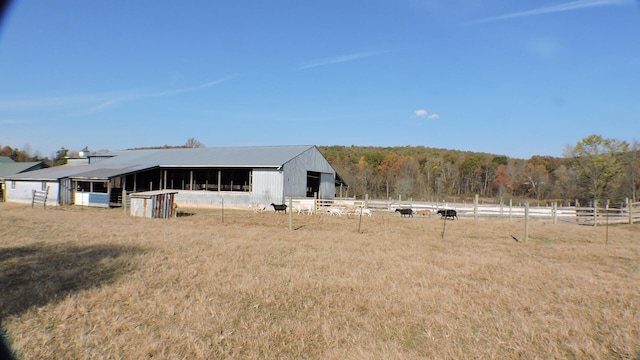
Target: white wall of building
22,191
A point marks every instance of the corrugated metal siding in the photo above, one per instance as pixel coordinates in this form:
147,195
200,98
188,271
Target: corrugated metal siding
295,174
267,187
327,186
155,205
66,192
212,198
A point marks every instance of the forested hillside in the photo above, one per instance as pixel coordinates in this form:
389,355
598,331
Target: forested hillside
593,168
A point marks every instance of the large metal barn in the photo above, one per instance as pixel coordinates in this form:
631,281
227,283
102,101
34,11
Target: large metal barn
233,176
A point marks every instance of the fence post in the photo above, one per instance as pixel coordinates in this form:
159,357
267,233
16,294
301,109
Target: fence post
291,213
526,221
595,212
366,201
555,212
630,208
510,208
315,202
475,207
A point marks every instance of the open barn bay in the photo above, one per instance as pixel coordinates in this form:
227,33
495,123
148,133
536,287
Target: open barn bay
94,283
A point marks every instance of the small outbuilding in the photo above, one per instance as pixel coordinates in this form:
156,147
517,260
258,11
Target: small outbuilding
153,204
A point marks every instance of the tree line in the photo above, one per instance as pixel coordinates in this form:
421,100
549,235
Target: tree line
594,168
60,157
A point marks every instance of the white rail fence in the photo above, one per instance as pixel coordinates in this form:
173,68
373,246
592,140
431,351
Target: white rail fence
627,213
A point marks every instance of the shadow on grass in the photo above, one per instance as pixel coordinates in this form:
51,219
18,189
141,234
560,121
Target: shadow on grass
41,274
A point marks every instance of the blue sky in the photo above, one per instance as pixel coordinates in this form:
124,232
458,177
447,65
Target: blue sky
505,77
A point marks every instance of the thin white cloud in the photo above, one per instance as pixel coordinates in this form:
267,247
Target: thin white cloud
574,5
189,89
103,100
47,102
433,117
126,97
338,60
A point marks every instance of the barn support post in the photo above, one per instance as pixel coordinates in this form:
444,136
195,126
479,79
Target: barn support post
164,183
526,221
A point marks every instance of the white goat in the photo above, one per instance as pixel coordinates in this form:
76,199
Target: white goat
355,210
258,207
335,211
303,208
365,212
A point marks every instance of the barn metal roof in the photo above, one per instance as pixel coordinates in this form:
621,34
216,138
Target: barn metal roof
251,156
49,174
129,161
12,168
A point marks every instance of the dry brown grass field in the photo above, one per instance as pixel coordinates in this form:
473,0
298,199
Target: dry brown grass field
96,284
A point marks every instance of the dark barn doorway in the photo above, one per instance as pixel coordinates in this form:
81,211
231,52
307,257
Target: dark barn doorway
313,183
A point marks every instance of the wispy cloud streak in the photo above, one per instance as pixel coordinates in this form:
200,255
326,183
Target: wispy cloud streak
574,5
338,60
126,97
103,100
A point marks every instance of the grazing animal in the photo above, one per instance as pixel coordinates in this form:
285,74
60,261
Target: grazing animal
258,207
279,208
424,212
355,210
405,212
303,208
365,212
448,213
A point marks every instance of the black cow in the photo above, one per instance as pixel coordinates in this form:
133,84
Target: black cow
279,207
405,212
448,213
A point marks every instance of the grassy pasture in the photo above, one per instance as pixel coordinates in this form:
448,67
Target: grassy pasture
94,283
